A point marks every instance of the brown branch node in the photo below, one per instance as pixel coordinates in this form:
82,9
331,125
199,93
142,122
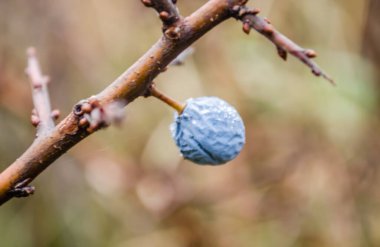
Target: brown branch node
22,189
166,9
93,116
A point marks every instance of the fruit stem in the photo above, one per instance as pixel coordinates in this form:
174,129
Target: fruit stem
153,91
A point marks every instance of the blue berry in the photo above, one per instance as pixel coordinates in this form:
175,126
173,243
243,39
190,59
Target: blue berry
208,131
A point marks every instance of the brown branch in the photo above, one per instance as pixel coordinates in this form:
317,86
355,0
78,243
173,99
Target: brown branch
283,44
130,85
42,116
166,9
133,83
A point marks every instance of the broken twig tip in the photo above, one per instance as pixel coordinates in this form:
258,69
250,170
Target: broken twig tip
329,79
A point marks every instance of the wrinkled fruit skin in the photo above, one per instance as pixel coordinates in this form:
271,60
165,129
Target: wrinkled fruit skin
209,131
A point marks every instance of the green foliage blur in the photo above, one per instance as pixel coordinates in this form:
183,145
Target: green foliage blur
308,175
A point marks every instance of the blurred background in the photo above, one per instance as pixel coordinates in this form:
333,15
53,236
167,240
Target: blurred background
307,176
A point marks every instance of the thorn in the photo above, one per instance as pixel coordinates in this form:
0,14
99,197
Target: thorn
282,53
329,79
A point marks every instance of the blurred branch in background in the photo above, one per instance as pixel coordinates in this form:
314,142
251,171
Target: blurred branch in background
371,39
42,115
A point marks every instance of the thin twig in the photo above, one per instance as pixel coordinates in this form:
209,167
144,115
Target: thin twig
42,117
283,44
